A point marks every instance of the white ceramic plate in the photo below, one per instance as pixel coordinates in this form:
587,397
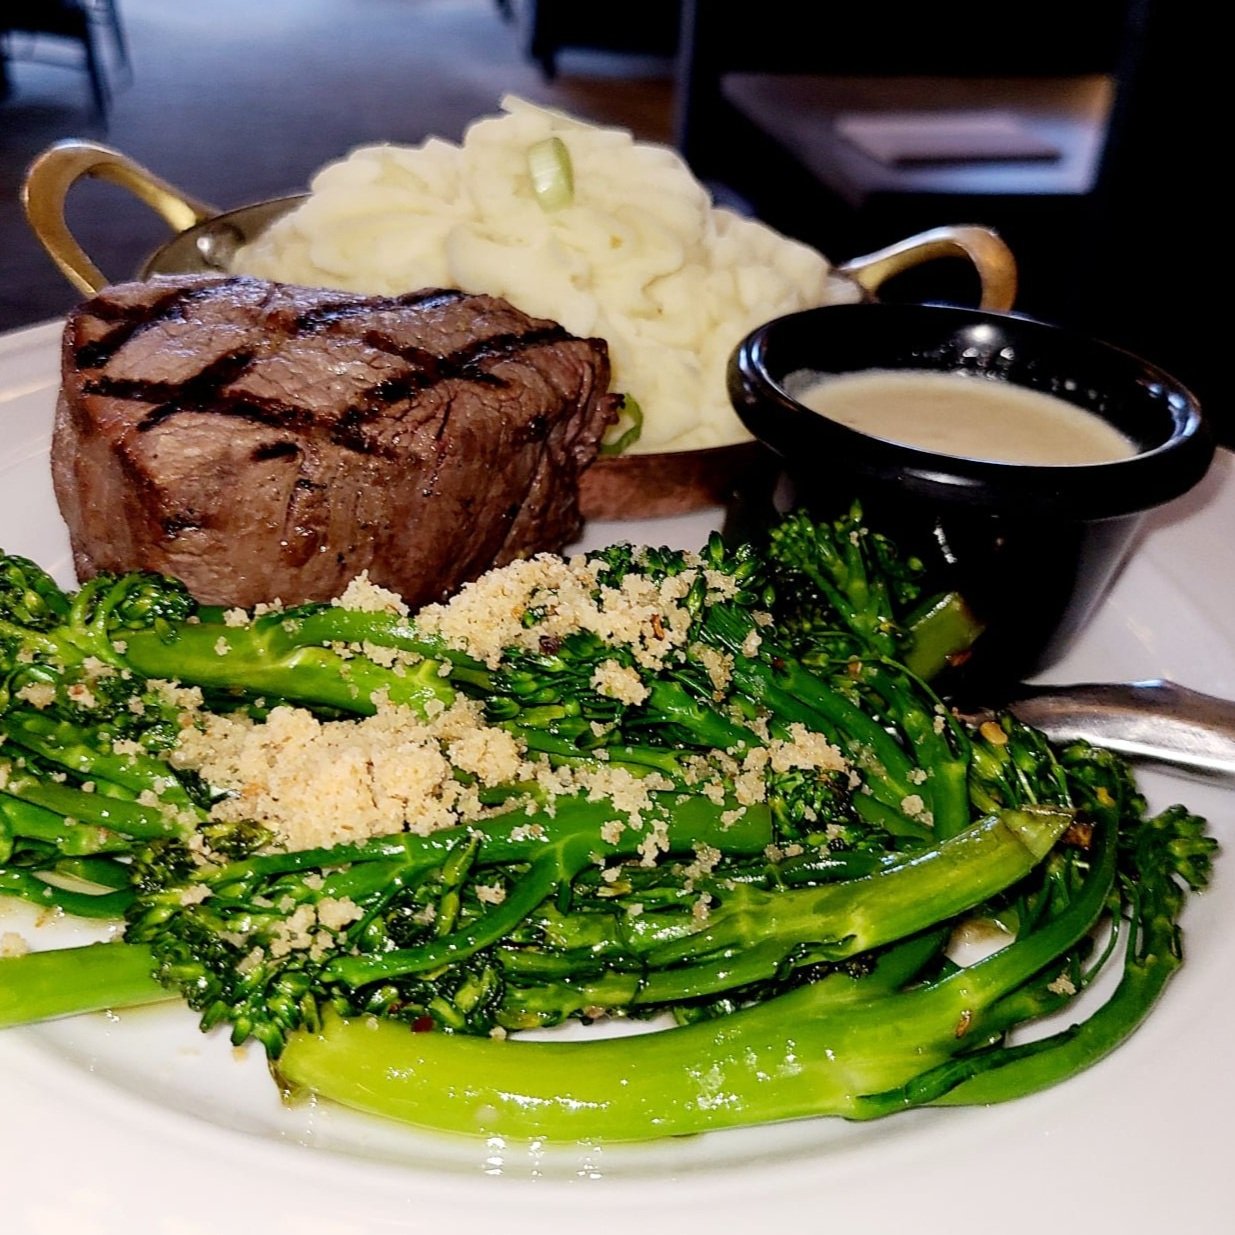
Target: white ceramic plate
111,1125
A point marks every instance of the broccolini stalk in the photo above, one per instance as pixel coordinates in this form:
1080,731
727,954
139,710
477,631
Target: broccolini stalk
940,748
753,935
519,836
68,981
528,1005
139,623
37,890
940,635
795,1055
25,822
115,814
89,754
836,921
267,657
1170,855
571,840
202,924
774,680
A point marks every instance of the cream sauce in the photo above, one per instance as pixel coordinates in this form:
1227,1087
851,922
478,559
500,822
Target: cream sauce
962,415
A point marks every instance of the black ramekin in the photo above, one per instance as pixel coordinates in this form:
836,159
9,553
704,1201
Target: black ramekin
1032,548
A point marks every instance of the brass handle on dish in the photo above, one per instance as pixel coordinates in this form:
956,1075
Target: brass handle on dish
991,258
51,176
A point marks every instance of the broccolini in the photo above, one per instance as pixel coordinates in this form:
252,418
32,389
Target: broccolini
734,803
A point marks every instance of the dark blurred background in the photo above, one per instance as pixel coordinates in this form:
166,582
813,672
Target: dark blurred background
1113,221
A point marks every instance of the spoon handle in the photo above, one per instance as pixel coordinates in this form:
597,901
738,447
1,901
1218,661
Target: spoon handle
1155,720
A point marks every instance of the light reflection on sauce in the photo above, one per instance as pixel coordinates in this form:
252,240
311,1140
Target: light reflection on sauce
962,415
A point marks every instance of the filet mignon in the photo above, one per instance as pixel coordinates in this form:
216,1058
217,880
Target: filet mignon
261,441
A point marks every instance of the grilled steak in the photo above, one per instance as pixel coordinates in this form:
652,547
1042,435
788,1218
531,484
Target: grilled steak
262,442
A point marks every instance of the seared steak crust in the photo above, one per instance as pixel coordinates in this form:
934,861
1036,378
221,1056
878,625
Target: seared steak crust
261,441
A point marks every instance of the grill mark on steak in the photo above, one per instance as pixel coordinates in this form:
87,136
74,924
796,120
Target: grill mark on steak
503,346
206,392
323,316
431,370
465,361
275,450
131,320
200,393
422,438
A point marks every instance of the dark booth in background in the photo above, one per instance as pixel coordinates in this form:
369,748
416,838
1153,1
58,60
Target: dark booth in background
1112,221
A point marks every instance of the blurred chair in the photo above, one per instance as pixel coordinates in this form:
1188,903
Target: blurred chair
27,25
854,127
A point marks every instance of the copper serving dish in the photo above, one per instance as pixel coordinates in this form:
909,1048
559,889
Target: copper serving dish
626,486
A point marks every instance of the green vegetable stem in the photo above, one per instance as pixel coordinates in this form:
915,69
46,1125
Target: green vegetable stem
753,820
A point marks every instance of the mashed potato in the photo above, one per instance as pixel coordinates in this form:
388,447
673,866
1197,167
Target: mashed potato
637,256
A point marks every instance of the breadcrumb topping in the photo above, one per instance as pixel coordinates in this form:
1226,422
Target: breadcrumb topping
641,614
365,596
619,682
13,944
38,695
314,782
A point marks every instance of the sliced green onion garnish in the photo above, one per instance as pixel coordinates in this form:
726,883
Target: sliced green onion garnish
627,428
553,178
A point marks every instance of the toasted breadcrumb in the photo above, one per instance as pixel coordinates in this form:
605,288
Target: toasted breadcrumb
1062,985
38,695
315,782
643,614
13,944
366,596
619,682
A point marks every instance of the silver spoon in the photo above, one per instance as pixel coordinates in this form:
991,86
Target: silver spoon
1155,720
